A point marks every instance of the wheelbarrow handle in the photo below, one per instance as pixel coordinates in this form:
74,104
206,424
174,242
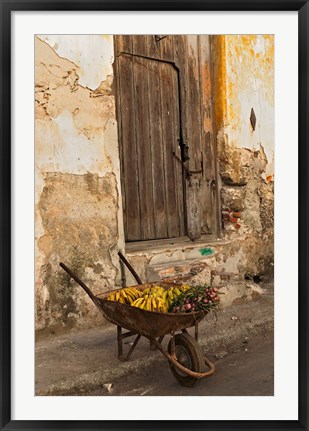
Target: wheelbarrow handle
78,280
130,267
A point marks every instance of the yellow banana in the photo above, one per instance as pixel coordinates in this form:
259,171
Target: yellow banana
131,293
122,300
142,304
135,292
185,287
131,296
159,302
124,294
177,291
138,292
110,297
170,294
137,302
148,304
154,304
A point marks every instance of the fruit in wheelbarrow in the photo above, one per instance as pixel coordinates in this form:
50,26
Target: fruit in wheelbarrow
155,291
150,304
171,295
197,298
154,298
125,296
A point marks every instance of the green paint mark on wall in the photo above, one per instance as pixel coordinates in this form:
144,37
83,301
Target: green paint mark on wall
206,251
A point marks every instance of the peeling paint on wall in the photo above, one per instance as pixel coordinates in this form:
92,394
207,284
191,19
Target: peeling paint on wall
78,210
245,67
93,54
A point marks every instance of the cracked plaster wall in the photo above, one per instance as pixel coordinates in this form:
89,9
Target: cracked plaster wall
244,66
78,212
78,196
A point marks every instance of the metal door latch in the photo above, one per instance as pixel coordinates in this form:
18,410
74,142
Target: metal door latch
188,172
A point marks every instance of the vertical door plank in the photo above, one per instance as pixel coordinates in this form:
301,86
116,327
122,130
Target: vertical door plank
156,134
141,115
206,188
130,182
167,48
167,107
210,192
194,131
187,59
180,47
178,169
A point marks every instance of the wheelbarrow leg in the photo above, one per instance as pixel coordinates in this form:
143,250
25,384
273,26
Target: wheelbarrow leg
196,331
152,343
185,331
120,337
173,354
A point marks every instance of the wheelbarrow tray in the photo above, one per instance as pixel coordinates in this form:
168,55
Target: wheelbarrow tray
150,324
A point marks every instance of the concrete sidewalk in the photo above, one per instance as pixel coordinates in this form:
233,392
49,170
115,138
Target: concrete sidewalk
78,363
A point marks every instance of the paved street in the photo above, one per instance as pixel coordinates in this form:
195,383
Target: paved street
247,370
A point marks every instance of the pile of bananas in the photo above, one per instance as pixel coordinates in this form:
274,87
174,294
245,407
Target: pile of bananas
125,296
154,298
151,303
170,295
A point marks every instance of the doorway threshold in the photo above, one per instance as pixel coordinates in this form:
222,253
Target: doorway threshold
172,243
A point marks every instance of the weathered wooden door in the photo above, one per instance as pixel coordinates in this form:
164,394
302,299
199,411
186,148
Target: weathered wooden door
165,135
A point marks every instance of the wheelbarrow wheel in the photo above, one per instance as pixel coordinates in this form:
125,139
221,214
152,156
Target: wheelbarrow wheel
190,355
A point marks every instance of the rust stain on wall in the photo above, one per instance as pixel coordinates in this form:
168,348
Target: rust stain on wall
219,54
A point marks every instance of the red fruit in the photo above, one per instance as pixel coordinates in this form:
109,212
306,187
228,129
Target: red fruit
188,307
215,289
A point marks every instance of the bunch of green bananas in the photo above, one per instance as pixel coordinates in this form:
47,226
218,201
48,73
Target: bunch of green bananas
170,295
126,296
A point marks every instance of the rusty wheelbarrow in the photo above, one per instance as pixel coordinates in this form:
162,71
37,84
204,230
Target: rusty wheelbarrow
185,356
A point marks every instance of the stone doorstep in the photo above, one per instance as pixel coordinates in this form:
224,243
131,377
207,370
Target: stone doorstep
180,270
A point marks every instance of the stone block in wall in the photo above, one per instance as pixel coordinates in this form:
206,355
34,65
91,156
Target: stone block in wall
251,215
235,165
233,198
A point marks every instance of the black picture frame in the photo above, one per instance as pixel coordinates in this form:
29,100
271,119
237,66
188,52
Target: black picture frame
5,242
